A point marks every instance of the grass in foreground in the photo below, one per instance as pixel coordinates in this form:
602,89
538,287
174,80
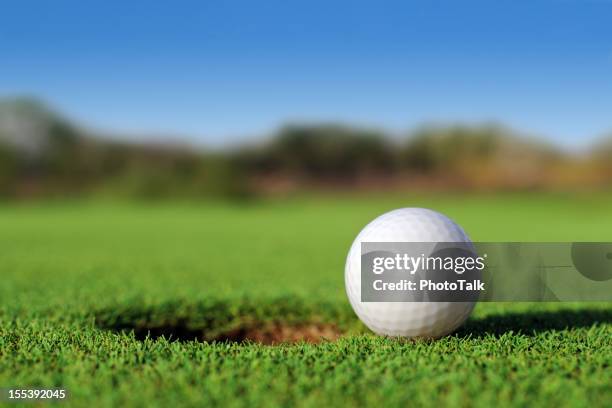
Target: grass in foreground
83,284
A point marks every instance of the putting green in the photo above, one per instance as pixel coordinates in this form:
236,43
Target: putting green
83,283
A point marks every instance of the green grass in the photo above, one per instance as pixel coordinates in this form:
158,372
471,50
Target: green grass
73,275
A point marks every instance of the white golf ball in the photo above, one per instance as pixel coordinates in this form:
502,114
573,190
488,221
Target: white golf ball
408,319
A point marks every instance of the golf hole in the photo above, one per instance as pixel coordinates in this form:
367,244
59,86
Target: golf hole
221,322
268,334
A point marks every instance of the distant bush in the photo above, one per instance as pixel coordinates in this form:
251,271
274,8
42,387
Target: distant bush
321,152
486,156
9,168
431,149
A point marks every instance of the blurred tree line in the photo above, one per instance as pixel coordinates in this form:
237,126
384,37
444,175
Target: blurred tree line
44,155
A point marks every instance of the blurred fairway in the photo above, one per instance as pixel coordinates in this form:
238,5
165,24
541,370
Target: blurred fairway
72,274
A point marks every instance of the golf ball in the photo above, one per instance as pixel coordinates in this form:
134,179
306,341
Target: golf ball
408,319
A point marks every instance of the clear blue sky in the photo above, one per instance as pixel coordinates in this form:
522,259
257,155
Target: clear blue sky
217,70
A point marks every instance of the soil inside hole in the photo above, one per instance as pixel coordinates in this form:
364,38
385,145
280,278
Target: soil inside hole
279,333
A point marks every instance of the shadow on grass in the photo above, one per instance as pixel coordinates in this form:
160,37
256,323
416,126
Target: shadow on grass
531,323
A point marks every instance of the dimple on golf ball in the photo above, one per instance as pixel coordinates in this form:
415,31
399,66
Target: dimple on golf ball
407,319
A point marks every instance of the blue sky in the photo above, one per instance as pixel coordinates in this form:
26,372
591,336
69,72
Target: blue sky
222,71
